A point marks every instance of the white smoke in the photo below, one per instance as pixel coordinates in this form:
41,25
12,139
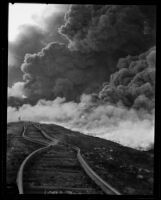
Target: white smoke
17,90
128,127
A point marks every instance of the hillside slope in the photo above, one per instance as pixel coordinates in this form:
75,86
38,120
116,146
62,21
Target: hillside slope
128,170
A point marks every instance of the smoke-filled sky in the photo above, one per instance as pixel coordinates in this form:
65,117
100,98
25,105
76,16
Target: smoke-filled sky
31,27
87,67
33,14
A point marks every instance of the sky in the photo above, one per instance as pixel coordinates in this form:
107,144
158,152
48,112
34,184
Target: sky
31,22
23,13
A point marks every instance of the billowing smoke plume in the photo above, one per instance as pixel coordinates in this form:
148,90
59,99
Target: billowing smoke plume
134,84
98,35
62,83
116,29
57,71
32,38
123,111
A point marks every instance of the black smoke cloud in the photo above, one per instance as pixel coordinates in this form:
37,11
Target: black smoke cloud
116,29
98,35
122,111
31,39
133,85
58,71
123,108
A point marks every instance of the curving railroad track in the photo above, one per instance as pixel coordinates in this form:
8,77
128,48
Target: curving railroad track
57,168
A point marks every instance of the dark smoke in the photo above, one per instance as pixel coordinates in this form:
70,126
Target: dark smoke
31,39
123,111
57,71
118,29
62,83
98,35
133,85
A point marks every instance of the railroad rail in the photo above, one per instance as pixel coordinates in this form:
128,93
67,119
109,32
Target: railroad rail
83,171
21,170
40,138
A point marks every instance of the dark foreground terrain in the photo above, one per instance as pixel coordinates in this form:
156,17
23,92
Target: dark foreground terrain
128,170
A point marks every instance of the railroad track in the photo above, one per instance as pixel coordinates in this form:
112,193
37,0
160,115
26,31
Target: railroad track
57,168
35,135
